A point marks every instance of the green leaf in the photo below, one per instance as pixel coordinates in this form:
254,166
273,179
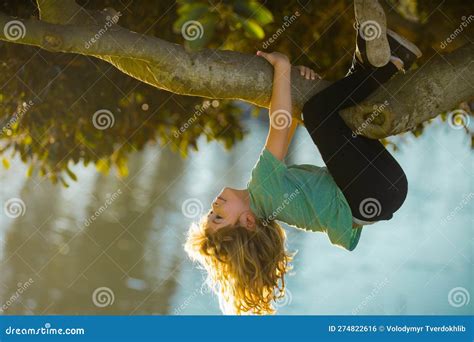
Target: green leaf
183,148
122,168
53,178
64,183
6,163
254,10
29,172
71,174
42,171
418,130
253,29
103,166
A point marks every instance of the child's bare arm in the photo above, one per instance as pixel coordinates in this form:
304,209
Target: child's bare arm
280,105
282,124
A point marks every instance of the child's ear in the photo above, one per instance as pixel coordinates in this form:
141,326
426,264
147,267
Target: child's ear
249,220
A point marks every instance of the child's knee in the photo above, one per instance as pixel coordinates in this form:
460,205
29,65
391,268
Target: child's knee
400,191
396,196
381,206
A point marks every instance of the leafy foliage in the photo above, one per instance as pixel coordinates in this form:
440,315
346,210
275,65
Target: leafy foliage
47,101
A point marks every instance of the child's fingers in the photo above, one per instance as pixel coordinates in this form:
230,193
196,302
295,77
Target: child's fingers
308,73
315,75
301,69
261,54
264,55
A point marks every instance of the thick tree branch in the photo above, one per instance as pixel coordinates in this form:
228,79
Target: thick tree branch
207,73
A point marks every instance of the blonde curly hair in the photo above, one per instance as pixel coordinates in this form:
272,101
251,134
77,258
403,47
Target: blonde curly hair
245,268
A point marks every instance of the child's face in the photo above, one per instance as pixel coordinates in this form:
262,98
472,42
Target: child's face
230,208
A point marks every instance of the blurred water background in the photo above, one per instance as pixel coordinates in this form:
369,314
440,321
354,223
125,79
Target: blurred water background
420,262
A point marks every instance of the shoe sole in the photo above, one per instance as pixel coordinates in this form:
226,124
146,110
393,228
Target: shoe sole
373,29
406,43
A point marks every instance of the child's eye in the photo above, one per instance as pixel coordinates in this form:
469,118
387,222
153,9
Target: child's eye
218,217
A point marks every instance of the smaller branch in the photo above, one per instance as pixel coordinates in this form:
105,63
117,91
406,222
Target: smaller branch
420,95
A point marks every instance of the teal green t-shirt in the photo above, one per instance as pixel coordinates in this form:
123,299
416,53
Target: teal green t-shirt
304,196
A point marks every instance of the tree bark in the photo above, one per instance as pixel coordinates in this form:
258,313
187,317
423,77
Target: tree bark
408,99
417,96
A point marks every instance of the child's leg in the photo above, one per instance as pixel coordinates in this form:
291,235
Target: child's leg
372,181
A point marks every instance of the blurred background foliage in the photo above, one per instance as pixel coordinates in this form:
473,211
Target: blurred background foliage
65,90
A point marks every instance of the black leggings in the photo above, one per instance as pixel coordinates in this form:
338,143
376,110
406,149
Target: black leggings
371,180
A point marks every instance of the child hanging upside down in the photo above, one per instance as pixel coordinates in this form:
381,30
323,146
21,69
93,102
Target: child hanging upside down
239,242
